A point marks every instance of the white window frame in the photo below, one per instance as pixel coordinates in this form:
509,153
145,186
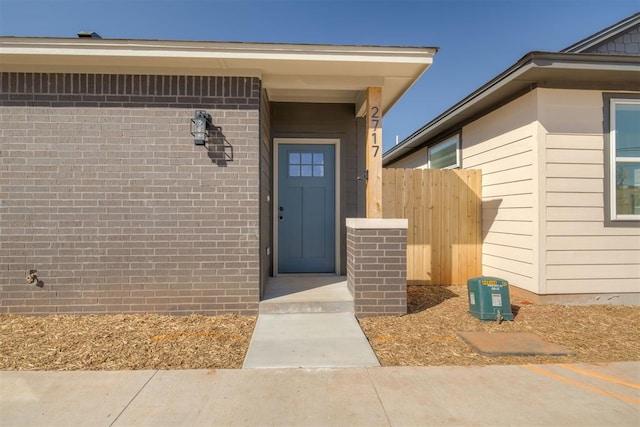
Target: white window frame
614,160
448,140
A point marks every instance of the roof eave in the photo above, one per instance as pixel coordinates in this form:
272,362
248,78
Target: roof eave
610,32
306,73
533,69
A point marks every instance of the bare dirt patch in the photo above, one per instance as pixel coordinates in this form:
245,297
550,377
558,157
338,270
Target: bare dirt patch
123,342
427,334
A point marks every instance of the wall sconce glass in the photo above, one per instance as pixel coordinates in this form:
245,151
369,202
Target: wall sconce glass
200,127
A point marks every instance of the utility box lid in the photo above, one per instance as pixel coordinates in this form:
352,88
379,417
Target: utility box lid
489,298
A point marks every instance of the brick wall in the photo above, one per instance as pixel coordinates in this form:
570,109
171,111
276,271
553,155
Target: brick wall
377,265
104,193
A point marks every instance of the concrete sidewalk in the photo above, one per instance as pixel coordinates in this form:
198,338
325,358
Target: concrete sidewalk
549,395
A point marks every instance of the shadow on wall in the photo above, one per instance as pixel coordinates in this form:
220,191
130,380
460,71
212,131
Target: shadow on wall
489,214
220,150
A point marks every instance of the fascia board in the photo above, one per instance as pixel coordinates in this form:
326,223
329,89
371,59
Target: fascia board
586,61
129,48
604,35
443,120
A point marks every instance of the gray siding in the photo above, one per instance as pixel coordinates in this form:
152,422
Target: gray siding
290,120
104,193
625,44
266,195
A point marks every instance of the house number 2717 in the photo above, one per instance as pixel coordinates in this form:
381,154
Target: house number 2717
375,120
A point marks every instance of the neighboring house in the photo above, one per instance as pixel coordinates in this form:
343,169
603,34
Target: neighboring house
104,192
557,137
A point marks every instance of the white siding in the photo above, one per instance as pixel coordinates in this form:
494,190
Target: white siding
503,145
417,160
584,252
546,227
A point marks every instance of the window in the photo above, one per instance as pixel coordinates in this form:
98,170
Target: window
624,137
306,164
446,154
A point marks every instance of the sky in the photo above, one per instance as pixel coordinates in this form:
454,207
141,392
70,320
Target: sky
477,39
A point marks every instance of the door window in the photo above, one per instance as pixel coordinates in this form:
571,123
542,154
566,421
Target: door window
306,164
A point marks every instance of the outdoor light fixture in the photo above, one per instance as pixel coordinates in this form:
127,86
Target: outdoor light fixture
200,127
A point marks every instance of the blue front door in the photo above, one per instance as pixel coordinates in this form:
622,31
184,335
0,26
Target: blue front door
306,208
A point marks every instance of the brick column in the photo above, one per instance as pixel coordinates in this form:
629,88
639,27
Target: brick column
377,265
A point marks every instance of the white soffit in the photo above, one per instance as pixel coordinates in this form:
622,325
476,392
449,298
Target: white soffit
289,72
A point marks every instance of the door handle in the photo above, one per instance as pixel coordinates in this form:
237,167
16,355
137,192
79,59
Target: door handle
281,217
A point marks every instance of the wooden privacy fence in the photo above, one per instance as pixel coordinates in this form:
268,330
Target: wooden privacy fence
444,209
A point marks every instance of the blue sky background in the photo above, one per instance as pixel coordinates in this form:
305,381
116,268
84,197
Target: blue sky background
478,39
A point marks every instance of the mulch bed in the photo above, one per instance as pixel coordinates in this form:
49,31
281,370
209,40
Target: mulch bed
427,334
123,342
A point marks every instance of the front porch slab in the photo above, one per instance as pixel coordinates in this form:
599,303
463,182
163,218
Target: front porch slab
306,294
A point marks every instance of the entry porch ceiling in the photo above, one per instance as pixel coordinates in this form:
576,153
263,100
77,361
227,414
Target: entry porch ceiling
289,72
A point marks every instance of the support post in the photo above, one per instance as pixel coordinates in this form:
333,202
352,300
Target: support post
374,153
378,288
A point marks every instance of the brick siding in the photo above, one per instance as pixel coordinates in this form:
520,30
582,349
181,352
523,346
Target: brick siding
377,267
104,193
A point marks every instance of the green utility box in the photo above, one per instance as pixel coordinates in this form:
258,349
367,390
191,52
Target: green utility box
489,298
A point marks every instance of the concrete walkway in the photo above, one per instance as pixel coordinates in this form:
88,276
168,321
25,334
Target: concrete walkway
325,340
308,322
530,395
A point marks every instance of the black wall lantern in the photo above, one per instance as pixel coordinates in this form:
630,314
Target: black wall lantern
200,125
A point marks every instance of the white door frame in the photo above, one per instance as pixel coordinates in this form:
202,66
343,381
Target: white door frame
276,199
